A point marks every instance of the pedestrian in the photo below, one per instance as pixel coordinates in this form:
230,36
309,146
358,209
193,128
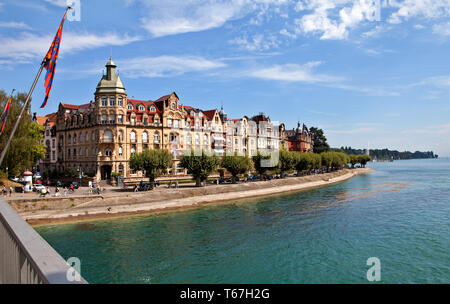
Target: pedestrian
48,191
10,191
4,191
135,188
56,191
71,188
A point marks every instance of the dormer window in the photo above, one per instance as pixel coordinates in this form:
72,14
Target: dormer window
141,108
172,106
152,109
130,106
192,113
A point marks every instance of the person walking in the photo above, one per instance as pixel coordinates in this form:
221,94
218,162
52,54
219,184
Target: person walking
4,191
10,191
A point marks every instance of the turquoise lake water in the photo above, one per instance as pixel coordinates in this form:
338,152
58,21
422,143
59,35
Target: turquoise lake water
400,214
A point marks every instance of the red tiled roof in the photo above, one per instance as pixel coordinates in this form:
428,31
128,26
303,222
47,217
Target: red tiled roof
209,114
145,103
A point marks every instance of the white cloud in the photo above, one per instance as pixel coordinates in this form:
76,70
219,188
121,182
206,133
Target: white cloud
293,73
60,3
258,42
28,46
429,9
171,17
15,25
351,13
352,131
166,66
442,29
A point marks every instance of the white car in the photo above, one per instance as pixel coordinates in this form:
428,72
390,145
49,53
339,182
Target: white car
38,187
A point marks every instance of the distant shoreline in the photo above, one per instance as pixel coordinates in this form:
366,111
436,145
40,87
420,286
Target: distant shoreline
164,200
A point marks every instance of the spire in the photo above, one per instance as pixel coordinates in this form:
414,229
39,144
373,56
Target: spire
110,83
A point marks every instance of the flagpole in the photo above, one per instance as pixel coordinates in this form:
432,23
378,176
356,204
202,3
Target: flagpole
5,149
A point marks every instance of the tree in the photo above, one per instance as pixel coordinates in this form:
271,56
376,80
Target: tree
199,166
26,147
320,141
154,162
363,159
286,161
236,165
353,160
261,163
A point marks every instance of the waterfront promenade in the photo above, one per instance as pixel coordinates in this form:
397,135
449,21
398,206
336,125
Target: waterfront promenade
115,204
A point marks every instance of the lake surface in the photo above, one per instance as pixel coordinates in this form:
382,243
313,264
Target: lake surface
400,214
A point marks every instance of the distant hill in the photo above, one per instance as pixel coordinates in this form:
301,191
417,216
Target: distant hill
383,154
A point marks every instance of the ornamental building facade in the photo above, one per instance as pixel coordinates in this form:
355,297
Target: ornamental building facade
99,137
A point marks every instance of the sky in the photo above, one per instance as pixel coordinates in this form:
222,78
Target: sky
369,73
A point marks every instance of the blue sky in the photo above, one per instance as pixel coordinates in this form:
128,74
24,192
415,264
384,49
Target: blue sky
361,76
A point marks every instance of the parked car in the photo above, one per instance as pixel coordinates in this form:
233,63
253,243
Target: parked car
253,178
38,187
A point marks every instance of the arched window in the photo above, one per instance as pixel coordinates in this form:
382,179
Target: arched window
133,136
81,137
130,106
197,140
145,137
172,106
87,136
188,139
120,136
107,136
87,152
93,135
141,107
120,151
156,138
74,138
108,152
152,108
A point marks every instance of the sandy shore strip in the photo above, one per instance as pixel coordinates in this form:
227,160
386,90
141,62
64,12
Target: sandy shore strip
163,200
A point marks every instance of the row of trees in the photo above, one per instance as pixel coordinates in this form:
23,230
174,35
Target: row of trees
202,165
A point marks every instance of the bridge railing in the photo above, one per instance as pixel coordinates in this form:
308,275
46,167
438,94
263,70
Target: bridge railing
26,258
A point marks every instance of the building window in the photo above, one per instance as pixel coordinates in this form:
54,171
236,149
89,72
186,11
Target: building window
120,151
197,140
145,137
74,138
108,152
104,102
93,135
130,106
104,118
205,140
173,106
173,138
80,152
180,169
119,101
53,155
53,143
108,136
68,153
112,101
141,108
87,136
112,118
152,109
74,152
133,121
145,121
69,139
133,136
169,122
156,138
176,123
87,152
121,169
133,149
120,118
156,122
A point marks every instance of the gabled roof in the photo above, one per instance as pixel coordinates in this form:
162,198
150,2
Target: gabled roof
210,114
